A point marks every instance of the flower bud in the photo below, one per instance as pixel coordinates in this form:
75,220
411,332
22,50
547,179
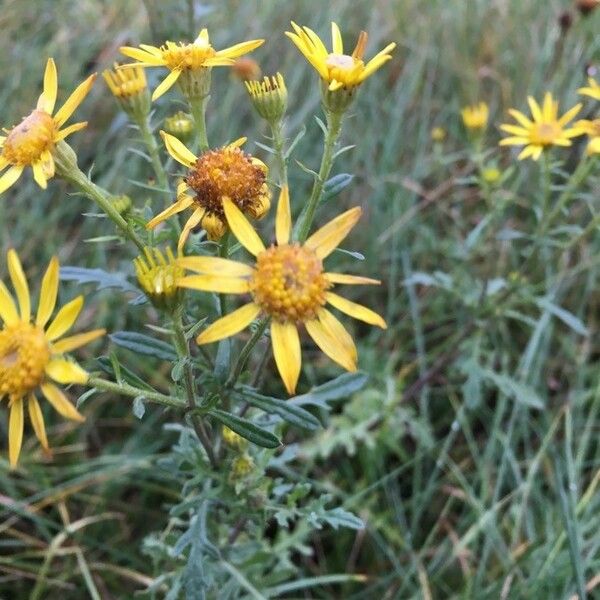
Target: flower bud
269,97
180,124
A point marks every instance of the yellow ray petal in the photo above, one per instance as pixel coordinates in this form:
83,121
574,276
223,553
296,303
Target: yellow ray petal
63,133
48,293
65,318
37,420
520,118
39,175
242,229
191,223
65,371
286,350
375,63
180,205
15,431
20,284
10,177
515,130
215,283
48,98
142,55
329,345
178,150
239,49
325,240
166,84
152,50
229,325
336,39
338,332
74,100
8,310
76,341
283,221
61,403
214,265
358,311
536,112
514,141
570,114
343,278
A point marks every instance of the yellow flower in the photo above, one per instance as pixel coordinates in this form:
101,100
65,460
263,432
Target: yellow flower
438,134
213,176
31,142
125,83
158,275
491,174
269,97
592,130
475,116
287,285
186,57
336,68
32,355
593,90
545,130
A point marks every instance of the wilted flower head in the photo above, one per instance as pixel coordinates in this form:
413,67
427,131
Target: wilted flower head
246,68
211,178
31,143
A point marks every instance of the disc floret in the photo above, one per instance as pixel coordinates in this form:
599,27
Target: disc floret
289,283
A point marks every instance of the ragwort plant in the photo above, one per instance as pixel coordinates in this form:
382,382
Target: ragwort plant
229,432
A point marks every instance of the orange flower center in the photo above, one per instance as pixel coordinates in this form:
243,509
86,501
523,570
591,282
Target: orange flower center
544,134
187,56
232,173
24,354
26,141
289,284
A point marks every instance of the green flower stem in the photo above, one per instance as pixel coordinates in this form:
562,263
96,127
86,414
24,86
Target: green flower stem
152,147
278,144
579,176
334,128
102,198
124,389
183,351
246,351
198,110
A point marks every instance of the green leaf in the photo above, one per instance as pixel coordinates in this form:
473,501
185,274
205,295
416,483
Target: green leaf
334,185
340,387
288,412
101,278
569,319
143,344
246,429
125,374
295,142
514,389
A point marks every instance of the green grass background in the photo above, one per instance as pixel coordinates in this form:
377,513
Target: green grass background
466,491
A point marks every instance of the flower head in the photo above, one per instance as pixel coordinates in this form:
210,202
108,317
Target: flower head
31,143
246,68
438,134
592,90
545,130
591,128
213,176
32,354
338,70
288,285
130,88
183,57
158,274
269,97
475,117
180,124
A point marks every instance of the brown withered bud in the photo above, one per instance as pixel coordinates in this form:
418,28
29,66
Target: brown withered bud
565,20
586,7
